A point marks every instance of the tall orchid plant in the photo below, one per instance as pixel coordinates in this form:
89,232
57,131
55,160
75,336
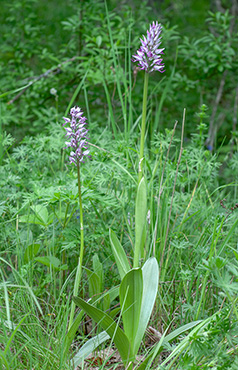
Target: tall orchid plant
149,59
77,133
139,285
138,288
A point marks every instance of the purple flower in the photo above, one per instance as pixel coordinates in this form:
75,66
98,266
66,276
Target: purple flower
149,55
77,133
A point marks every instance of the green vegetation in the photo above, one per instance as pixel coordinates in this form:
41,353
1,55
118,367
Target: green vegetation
155,269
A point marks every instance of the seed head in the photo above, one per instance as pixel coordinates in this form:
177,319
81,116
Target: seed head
149,56
77,133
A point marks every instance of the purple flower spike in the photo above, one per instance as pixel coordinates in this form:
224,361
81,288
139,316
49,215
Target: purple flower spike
77,133
149,56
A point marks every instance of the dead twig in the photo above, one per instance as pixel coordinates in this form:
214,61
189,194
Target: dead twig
53,71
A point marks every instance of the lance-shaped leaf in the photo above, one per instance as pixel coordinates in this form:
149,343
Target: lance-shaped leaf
140,219
98,269
88,348
150,273
72,332
130,294
119,254
94,282
110,326
111,294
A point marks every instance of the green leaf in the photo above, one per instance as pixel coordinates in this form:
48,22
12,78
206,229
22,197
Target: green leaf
30,252
150,273
181,330
41,213
119,254
3,360
13,333
236,254
99,41
31,219
110,326
40,216
140,220
89,347
98,269
106,302
113,293
51,261
94,282
115,312
72,331
130,294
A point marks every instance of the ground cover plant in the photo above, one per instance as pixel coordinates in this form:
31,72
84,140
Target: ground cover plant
129,260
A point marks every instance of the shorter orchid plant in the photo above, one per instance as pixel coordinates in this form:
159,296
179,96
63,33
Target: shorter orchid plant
77,133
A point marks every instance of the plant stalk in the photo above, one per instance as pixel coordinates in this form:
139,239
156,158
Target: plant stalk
142,137
80,260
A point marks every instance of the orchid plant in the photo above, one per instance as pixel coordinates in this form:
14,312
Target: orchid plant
139,285
77,133
138,288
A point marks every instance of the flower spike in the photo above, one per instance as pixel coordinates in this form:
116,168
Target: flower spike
149,56
77,133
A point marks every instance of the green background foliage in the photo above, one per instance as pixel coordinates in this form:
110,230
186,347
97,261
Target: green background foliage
82,50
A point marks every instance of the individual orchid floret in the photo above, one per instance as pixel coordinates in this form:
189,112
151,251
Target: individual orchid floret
149,56
77,133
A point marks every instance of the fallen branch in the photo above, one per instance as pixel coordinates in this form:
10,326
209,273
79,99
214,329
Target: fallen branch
54,70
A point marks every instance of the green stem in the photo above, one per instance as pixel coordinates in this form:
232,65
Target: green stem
80,260
142,137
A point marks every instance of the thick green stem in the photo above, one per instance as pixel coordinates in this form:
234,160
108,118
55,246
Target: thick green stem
142,136
137,250
80,260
